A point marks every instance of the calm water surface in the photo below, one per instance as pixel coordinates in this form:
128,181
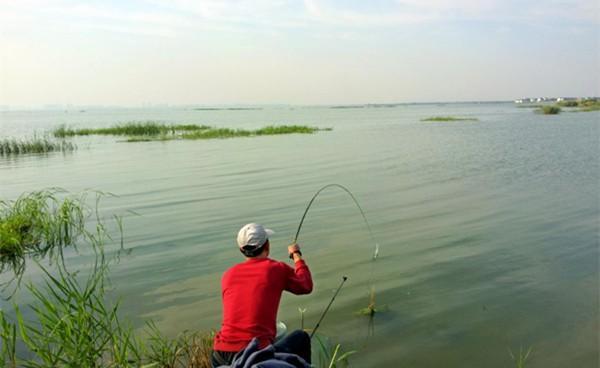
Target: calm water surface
488,230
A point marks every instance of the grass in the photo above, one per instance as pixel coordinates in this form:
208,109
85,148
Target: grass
549,110
331,356
75,325
529,106
148,128
580,105
44,223
520,359
449,118
10,147
153,131
222,133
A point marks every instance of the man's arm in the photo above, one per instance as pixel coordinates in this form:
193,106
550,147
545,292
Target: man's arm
299,279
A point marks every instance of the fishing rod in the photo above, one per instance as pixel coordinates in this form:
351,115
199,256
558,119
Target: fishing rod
376,251
344,278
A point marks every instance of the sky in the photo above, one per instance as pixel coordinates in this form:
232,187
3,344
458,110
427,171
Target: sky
236,52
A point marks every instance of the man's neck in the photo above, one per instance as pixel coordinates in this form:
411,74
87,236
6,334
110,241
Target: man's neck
260,256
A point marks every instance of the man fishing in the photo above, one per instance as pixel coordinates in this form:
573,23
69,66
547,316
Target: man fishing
251,292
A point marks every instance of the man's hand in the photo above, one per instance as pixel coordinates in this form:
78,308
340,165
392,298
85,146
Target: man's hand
294,252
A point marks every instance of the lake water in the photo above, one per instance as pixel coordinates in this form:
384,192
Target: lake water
488,230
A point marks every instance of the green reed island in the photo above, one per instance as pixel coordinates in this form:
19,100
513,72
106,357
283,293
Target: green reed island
449,118
155,131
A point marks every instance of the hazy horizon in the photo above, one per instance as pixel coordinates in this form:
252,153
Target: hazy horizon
283,52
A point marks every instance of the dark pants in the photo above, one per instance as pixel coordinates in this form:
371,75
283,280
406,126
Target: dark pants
297,342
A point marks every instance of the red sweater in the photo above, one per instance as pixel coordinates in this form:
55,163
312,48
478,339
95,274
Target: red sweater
251,293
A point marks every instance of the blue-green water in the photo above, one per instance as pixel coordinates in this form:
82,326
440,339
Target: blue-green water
488,230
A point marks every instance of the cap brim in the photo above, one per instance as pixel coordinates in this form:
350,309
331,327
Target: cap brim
269,232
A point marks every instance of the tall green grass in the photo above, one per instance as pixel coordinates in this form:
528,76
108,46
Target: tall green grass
11,146
154,131
449,118
549,110
148,128
42,224
222,133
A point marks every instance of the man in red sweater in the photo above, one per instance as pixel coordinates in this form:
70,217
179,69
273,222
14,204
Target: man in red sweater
251,292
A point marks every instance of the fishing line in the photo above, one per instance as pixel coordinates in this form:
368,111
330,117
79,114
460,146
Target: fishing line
376,245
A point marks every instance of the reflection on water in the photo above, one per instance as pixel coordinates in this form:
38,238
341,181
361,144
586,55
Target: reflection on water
487,230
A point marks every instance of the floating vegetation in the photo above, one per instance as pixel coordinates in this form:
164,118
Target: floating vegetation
372,308
529,106
41,224
549,110
226,108
10,147
148,128
221,133
449,118
366,106
153,131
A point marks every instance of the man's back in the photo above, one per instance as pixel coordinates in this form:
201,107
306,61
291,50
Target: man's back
251,293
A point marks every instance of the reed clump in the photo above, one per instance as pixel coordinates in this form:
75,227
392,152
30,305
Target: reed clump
221,133
549,110
75,325
148,128
42,224
154,131
11,146
449,118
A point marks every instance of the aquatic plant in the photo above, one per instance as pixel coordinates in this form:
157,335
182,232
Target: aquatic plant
154,131
44,223
187,350
148,128
449,118
268,130
331,356
521,359
302,311
372,307
588,104
549,110
567,103
9,147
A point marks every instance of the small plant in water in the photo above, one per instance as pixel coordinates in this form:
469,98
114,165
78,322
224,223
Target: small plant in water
372,308
521,359
331,356
302,311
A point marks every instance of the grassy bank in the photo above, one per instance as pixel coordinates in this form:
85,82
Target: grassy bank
11,147
581,105
449,118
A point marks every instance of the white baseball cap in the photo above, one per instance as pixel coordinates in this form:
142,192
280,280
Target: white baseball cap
253,235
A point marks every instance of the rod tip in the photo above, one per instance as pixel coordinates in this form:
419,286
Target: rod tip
345,278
